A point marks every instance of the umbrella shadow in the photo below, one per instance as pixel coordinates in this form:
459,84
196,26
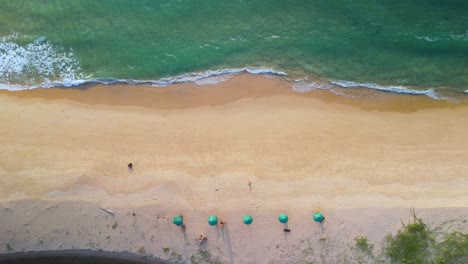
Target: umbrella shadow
185,242
286,231
322,229
253,247
181,234
227,242
184,234
168,225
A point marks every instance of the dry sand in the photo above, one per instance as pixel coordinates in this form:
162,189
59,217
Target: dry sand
365,162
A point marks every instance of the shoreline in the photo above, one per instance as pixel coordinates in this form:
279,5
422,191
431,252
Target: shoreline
310,83
64,156
227,91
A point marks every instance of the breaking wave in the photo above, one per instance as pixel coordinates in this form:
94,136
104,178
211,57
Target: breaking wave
42,64
349,89
39,61
200,78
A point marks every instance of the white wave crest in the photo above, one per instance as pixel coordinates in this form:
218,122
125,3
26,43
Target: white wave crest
304,85
200,78
427,38
212,77
39,61
394,89
459,37
339,87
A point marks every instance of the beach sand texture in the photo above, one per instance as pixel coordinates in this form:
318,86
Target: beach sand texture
364,162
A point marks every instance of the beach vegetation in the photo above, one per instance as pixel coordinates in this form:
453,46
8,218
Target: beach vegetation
205,257
114,226
8,247
175,256
363,245
363,250
142,251
172,254
453,249
413,243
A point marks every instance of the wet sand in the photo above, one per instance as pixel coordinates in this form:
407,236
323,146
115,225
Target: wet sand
194,149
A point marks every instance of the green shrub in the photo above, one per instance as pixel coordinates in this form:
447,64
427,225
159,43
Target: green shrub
413,243
205,257
363,245
453,249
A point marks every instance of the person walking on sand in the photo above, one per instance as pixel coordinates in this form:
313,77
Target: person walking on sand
222,223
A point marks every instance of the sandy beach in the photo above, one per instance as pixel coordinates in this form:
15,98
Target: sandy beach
365,162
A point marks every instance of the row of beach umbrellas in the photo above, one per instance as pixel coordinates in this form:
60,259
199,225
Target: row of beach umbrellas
248,219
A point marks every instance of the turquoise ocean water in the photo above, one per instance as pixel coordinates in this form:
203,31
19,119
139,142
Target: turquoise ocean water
409,46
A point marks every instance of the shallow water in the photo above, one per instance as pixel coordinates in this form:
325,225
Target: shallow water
423,45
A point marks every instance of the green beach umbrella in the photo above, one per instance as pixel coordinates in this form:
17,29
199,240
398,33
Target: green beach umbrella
178,220
248,219
212,220
283,218
318,217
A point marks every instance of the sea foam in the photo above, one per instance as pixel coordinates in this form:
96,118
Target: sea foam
41,64
199,78
458,37
350,89
393,89
213,76
37,63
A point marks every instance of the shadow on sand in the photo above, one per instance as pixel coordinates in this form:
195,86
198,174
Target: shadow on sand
77,257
